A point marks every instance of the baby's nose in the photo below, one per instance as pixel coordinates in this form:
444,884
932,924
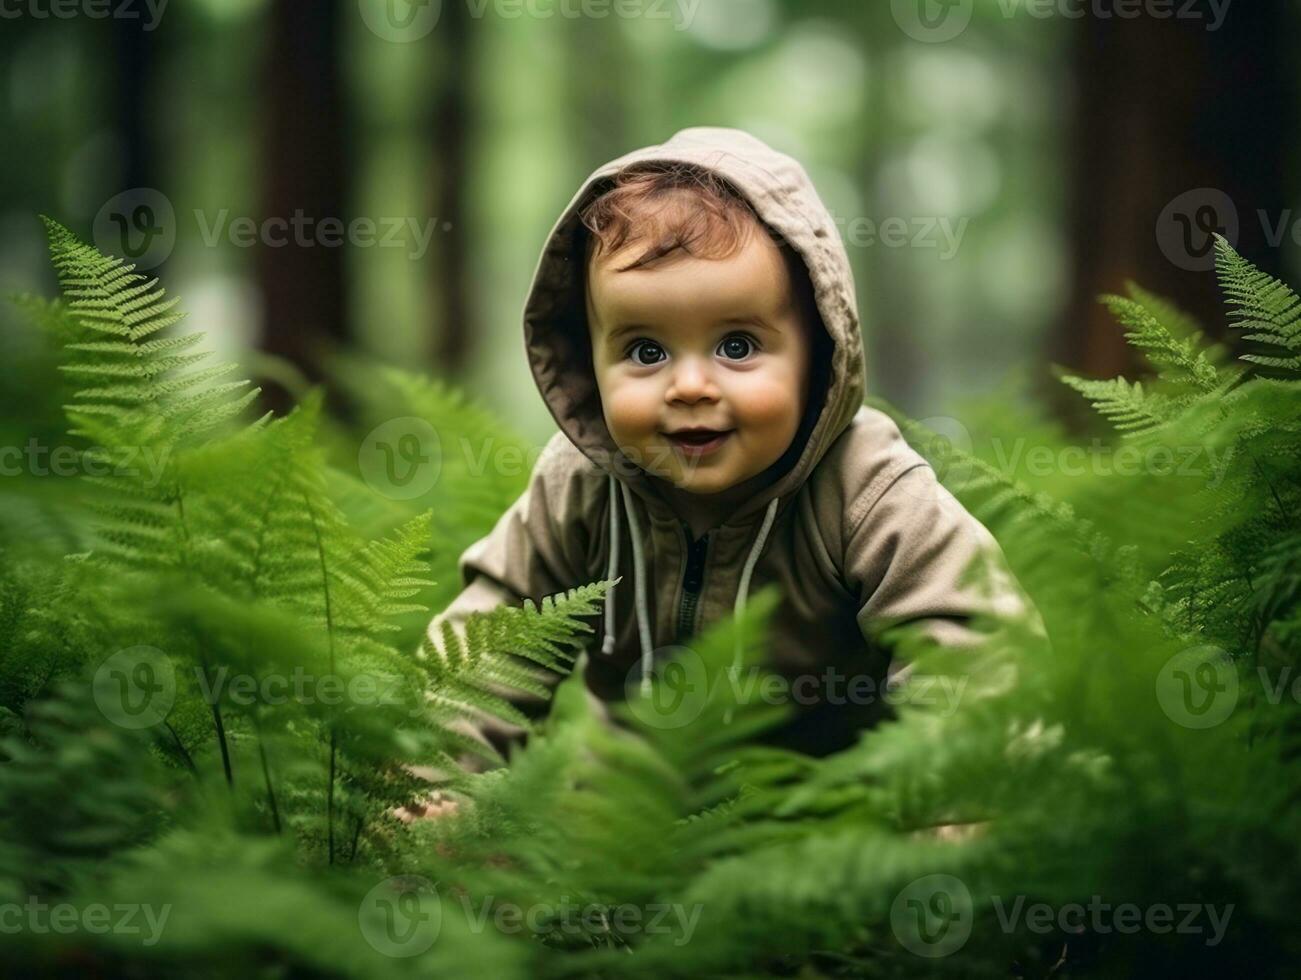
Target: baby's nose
691,381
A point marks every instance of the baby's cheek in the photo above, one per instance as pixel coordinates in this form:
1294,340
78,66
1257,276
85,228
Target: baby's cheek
631,412
770,406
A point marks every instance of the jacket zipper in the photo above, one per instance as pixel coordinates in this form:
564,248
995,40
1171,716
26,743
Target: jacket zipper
693,580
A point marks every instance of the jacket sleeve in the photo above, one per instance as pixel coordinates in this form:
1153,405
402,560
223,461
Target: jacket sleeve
536,549
915,556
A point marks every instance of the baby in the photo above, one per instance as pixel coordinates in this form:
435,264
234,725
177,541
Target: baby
692,327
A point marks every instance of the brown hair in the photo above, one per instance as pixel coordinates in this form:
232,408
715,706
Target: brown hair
670,206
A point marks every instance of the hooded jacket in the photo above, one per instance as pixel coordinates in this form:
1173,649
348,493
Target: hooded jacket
856,533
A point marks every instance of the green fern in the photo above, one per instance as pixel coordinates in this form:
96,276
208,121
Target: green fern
1213,584
244,525
503,654
1167,338
1266,310
1057,776
1133,411
483,465
142,391
135,402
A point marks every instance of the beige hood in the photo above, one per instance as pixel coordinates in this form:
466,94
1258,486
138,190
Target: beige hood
555,318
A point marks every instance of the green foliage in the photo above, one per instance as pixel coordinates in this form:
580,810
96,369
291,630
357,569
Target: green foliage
1266,310
296,701
1053,762
468,676
134,387
483,467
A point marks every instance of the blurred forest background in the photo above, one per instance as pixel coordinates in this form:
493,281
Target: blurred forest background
1028,162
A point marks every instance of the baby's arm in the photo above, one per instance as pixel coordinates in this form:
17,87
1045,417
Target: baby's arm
910,552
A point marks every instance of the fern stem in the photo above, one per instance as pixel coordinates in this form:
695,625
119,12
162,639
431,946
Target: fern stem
203,661
185,754
356,836
256,570
266,774
329,632
221,735
329,797
1264,475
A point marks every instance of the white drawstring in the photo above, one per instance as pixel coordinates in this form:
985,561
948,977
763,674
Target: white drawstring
607,645
639,590
743,590
743,593
639,581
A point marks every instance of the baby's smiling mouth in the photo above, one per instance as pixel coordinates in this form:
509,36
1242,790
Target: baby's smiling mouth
697,441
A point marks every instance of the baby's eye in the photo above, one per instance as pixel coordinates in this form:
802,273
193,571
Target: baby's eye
646,352
736,347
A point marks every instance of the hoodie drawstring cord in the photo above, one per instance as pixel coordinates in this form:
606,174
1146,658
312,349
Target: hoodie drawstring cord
639,589
607,645
743,593
743,590
639,579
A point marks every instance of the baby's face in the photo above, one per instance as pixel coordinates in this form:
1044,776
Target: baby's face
702,364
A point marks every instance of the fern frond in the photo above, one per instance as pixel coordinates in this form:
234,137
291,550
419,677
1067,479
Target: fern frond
1125,404
1150,326
548,636
151,401
1265,309
484,465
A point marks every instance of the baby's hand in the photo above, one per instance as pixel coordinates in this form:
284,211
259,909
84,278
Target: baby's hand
436,804
439,804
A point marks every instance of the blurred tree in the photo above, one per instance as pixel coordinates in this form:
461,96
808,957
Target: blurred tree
598,77
135,62
305,172
451,136
1177,128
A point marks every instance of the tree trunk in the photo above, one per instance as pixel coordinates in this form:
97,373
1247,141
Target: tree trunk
1179,130
135,63
305,173
451,138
